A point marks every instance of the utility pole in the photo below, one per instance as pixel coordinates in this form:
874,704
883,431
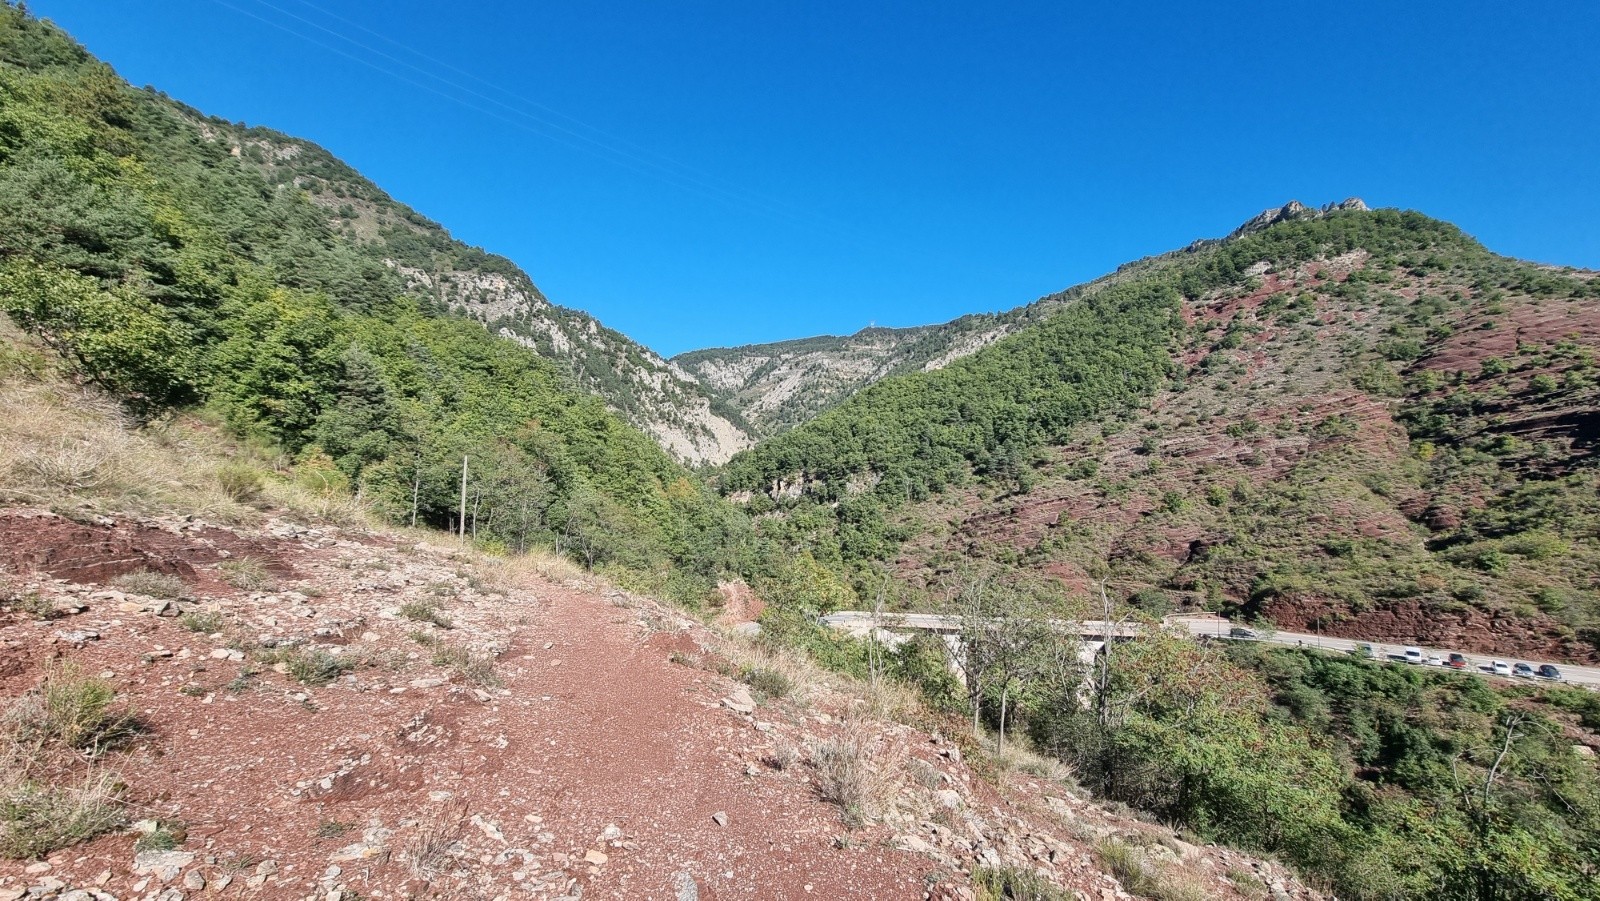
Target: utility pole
462,527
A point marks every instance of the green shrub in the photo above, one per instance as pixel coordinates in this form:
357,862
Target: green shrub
240,482
766,682
318,667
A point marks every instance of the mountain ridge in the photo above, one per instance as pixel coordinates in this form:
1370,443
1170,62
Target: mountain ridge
777,385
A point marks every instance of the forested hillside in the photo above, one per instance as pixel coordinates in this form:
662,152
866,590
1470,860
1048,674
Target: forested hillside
1362,423
174,269
651,393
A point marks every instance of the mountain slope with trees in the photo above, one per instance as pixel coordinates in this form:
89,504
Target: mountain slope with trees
1362,422
174,272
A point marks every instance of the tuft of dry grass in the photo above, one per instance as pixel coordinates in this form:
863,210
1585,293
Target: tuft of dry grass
1141,876
425,611
37,818
247,574
151,584
475,668
439,827
526,571
45,736
69,709
857,772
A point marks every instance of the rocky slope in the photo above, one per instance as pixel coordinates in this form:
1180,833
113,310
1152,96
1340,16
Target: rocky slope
774,387
652,393
373,715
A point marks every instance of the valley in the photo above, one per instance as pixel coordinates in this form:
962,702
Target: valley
337,561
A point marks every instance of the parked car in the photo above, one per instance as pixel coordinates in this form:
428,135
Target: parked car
1242,632
1435,660
1547,671
1500,668
1456,661
1522,671
1413,655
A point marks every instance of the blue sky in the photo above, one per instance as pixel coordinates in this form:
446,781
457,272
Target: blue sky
715,172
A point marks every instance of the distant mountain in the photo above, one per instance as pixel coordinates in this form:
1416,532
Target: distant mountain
651,393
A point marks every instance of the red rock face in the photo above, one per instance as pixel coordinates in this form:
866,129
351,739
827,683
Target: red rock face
80,552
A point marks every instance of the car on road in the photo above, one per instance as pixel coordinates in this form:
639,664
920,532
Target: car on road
1243,632
1435,660
1365,650
1456,661
1500,668
1522,671
1546,671
1413,655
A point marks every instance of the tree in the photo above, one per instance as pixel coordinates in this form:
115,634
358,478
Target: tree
1016,651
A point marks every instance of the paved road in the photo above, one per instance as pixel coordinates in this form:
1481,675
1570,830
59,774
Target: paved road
1215,627
1586,676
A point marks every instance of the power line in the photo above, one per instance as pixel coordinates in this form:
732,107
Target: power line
688,179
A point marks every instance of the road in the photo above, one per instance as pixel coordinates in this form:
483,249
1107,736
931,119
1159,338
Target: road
860,623
1587,676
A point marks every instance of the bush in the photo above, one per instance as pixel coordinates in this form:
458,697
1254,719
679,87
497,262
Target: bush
767,683
240,482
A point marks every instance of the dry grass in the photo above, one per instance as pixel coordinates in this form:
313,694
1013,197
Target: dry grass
439,826
475,668
522,572
247,574
858,771
1141,876
68,710
47,736
37,818
426,610
1015,884
150,584
64,443
800,679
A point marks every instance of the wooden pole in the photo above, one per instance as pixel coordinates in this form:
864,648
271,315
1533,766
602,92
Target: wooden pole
462,527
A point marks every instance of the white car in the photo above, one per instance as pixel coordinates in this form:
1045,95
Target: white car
1413,655
1435,660
1500,668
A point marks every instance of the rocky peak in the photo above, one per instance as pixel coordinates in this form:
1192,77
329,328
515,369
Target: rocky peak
1295,210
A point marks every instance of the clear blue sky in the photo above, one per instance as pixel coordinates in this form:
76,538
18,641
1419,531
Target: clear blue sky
726,171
